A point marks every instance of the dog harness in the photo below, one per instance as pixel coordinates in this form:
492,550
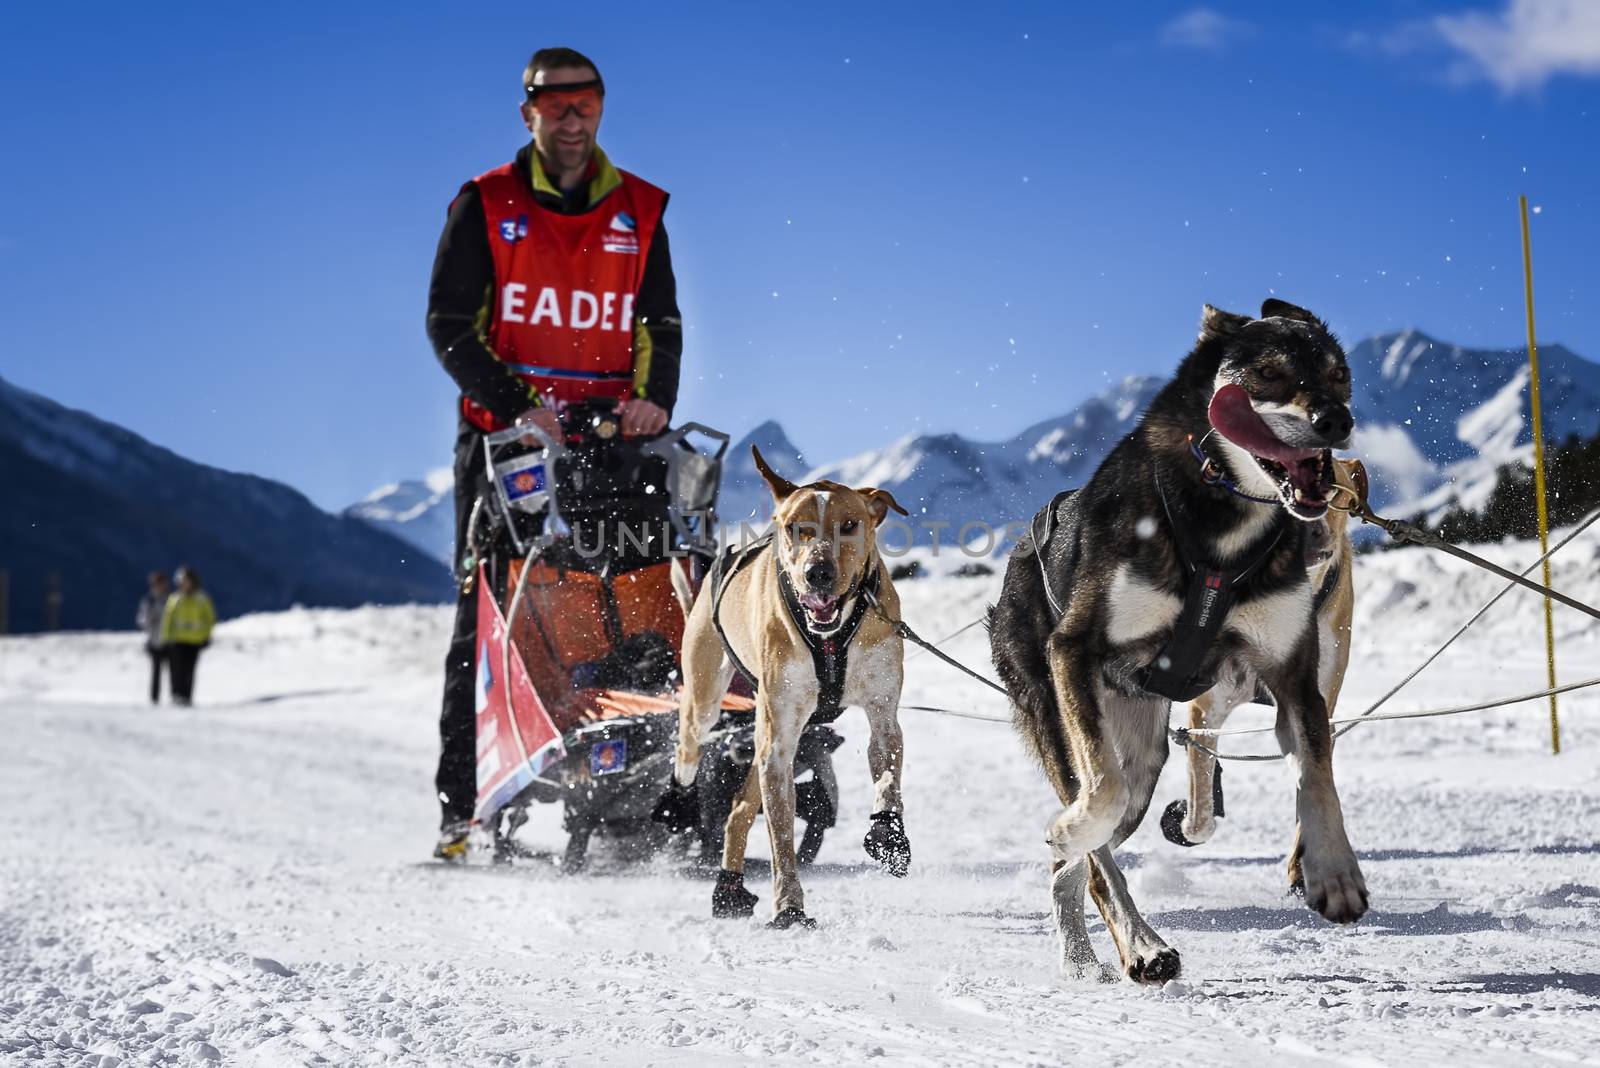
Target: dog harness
830,654
1177,670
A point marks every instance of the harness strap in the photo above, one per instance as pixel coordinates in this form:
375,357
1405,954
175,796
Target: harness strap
729,563
1041,541
1177,672
1329,582
830,654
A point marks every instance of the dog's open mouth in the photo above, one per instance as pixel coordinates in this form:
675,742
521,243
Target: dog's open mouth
821,609
1303,477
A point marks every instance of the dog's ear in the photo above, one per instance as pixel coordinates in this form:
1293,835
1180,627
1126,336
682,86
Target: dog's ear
1215,323
1273,308
879,502
780,486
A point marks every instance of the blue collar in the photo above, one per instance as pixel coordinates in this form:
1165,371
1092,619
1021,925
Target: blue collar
1211,474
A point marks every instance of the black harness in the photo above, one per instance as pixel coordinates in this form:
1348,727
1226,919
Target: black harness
830,654
1176,671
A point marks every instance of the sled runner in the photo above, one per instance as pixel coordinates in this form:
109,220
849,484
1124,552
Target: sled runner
583,551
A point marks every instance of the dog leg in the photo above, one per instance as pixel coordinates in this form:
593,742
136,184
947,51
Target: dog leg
1082,764
1090,784
1333,660
1145,957
886,841
741,817
730,899
777,738
1333,882
1191,822
1068,881
701,707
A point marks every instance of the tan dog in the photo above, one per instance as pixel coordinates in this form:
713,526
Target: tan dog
1332,575
806,615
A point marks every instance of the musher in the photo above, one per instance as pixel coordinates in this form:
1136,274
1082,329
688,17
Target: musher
552,283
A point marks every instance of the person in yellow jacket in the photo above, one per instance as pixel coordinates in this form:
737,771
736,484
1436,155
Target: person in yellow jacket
185,630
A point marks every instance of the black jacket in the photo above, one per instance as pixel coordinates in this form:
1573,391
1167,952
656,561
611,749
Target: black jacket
461,303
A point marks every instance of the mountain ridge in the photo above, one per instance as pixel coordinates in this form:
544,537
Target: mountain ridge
97,506
1434,422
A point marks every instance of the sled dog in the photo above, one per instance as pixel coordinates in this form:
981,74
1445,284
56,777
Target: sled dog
1180,562
805,615
1329,563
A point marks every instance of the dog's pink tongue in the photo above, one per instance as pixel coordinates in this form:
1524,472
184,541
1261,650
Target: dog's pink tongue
1235,419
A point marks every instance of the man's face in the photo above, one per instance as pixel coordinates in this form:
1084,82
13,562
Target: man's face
564,125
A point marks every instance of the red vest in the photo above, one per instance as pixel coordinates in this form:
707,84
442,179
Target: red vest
565,286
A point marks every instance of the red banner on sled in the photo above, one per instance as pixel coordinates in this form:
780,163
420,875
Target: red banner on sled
517,740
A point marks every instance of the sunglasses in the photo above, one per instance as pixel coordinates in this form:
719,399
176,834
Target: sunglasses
553,101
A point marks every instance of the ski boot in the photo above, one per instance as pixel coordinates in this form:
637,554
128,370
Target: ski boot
453,839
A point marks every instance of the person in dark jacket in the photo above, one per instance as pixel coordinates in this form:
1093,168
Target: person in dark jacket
185,631
148,619
552,283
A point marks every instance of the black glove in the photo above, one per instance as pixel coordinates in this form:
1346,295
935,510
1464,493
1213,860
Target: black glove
679,807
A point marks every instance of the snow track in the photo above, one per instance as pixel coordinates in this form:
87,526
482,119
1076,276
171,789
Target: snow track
241,883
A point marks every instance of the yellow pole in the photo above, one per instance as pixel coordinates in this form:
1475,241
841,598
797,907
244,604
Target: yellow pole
1538,474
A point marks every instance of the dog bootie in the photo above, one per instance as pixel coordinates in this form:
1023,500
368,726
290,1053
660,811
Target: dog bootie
730,900
791,917
887,843
678,808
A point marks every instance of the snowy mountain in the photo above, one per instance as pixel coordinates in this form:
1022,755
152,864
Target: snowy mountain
952,479
1434,423
99,506
420,512
1434,420
744,496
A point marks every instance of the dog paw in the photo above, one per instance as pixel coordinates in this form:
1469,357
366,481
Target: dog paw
1089,971
1336,891
1176,828
1155,966
730,900
678,808
791,917
886,843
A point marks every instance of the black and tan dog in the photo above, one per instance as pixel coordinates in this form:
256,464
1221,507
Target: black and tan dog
1183,556
806,617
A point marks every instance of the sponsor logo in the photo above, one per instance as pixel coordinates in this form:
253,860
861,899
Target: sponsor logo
1208,600
623,235
608,757
523,483
514,230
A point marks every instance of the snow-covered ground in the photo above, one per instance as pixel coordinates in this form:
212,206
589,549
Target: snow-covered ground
246,882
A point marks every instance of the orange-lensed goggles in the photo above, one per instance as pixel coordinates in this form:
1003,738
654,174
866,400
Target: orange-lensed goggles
554,101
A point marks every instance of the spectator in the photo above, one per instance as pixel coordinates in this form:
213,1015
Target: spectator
151,608
185,630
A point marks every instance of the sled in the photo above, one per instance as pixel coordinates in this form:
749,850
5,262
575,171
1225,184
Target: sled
575,544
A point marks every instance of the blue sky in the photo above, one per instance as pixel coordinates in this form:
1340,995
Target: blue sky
219,221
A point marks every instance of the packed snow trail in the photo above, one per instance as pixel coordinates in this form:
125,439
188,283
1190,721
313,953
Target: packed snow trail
245,883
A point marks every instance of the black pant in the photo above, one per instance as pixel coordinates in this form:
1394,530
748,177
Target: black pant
183,659
158,656
457,778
